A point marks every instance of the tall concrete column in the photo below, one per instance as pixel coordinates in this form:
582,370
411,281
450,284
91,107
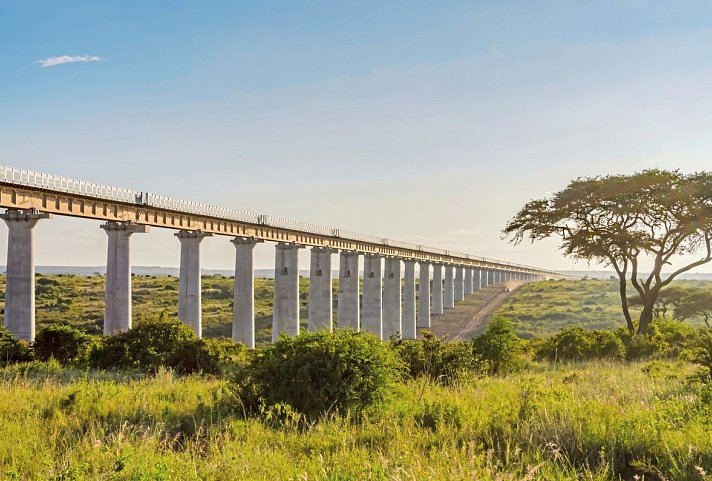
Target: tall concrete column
320,290
372,305
476,279
484,278
423,315
117,310
392,298
459,283
285,313
243,301
348,295
19,315
490,277
468,281
189,296
449,296
437,302
409,313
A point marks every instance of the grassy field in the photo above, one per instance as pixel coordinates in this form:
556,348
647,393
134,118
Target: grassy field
543,308
552,422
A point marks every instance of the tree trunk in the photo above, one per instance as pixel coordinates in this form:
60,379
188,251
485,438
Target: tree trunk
646,316
622,285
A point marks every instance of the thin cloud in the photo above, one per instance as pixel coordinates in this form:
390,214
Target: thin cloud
59,60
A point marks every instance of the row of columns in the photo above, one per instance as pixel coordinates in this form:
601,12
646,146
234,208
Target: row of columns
387,306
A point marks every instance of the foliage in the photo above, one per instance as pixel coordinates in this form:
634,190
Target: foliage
697,303
666,338
498,348
702,353
209,356
146,347
577,344
440,361
621,220
318,373
13,350
66,344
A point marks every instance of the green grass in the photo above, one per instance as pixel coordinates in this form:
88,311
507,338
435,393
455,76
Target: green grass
541,309
595,421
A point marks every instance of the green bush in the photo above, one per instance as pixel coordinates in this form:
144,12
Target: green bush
146,347
702,353
432,357
577,344
62,342
498,347
667,338
209,356
13,350
318,373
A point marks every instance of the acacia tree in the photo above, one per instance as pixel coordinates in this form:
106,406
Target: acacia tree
624,221
697,304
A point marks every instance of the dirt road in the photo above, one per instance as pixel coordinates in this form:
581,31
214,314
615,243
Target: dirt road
470,316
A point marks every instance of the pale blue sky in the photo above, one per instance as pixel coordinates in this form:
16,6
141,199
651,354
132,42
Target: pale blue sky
430,122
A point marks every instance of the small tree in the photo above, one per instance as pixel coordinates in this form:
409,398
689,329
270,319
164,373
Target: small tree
624,220
698,303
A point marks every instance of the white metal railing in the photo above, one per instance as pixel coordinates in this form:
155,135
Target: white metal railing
40,180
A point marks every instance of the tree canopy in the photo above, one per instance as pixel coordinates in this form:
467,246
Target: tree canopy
626,221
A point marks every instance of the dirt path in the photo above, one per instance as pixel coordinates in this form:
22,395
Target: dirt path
470,316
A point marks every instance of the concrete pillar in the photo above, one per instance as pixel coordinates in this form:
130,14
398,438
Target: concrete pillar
243,301
372,305
348,295
285,314
449,296
189,296
423,315
476,279
459,283
409,312
19,315
484,278
320,290
468,281
437,302
490,277
392,298
117,310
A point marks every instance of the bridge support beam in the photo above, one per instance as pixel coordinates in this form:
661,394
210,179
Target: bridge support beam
423,315
189,296
437,302
409,312
320,290
490,277
19,317
459,283
117,310
372,308
285,315
449,296
468,281
243,301
476,280
392,298
348,295
484,278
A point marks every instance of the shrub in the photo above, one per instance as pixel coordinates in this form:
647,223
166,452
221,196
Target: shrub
13,350
209,356
146,347
702,353
432,357
667,338
318,373
577,344
62,342
499,347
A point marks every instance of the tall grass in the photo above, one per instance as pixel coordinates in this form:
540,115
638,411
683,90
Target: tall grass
597,421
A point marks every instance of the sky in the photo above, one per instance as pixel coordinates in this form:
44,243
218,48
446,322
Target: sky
427,122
